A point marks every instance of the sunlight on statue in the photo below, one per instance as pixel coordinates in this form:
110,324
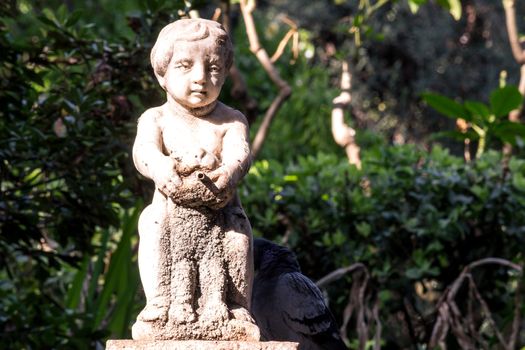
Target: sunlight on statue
195,253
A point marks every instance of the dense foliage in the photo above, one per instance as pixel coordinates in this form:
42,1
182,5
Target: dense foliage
66,125
409,216
74,79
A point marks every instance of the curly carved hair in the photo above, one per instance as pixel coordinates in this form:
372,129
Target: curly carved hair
188,30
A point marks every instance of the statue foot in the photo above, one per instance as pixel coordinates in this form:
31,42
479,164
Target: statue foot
181,313
215,313
242,314
142,330
245,330
153,312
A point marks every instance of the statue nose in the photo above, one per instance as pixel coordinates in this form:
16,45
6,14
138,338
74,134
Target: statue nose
199,74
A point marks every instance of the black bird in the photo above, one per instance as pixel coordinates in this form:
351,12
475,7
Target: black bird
288,306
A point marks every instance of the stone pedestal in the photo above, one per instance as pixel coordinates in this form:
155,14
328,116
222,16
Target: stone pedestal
197,345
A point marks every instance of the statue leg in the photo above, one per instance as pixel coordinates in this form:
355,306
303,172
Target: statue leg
238,248
152,258
212,282
182,290
239,256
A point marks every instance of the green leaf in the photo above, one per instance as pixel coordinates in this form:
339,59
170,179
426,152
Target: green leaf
508,131
47,21
97,269
74,18
385,295
446,106
411,224
61,13
35,77
478,109
291,178
118,271
75,289
123,313
456,135
358,20
518,181
453,7
363,229
517,165
413,273
414,6
504,100
114,276
481,192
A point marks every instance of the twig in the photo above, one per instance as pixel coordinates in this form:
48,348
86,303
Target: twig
519,55
515,114
362,327
292,33
517,317
375,314
441,327
486,311
247,7
470,312
217,14
239,91
356,302
450,318
463,126
280,48
471,17
342,133
512,31
339,273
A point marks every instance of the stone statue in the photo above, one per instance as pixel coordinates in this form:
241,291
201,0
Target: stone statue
195,252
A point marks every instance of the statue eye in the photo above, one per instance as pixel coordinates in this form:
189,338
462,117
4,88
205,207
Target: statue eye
184,65
215,68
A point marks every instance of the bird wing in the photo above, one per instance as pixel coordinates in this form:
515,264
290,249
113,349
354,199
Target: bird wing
303,305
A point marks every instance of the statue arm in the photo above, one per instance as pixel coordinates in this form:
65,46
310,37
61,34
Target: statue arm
148,157
236,155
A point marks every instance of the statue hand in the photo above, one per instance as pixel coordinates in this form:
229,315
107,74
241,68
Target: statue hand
166,178
222,178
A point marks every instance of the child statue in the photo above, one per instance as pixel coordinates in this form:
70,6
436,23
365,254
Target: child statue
195,252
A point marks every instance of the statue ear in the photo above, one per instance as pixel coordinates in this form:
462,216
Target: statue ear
161,80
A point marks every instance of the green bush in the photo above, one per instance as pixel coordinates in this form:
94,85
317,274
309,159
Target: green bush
69,100
71,91
409,216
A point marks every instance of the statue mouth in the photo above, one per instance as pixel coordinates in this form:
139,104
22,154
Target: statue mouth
198,92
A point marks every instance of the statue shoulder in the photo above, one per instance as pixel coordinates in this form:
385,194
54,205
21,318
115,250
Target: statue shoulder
230,115
151,115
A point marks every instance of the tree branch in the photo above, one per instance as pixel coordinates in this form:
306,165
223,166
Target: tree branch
519,55
450,318
337,274
356,302
292,33
247,7
343,134
239,91
515,114
512,31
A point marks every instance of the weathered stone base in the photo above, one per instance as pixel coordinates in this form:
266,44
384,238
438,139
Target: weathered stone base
232,330
197,345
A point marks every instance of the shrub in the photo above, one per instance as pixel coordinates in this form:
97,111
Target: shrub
411,217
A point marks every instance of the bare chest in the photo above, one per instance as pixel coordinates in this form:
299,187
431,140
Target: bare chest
195,144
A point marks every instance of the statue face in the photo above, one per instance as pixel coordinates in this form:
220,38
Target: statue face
196,73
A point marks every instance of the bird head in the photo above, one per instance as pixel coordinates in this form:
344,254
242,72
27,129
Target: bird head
271,257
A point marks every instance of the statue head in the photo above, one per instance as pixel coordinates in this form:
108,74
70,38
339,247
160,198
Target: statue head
189,30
